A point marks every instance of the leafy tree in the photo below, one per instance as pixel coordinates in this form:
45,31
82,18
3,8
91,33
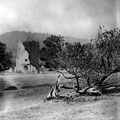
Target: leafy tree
33,48
5,58
107,45
76,59
96,61
52,50
89,63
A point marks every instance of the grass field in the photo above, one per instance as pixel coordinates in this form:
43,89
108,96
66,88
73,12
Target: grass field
28,103
29,80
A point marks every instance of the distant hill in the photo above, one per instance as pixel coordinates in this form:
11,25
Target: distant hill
12,38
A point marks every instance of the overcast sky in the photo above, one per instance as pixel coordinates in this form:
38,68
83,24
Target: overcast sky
78,18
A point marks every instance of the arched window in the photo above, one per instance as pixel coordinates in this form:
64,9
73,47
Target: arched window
26,60
25,67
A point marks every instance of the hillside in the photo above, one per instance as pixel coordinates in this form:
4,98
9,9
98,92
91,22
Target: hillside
12,38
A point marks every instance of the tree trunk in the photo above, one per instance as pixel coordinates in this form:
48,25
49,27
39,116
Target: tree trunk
102,80
78,86
88,81
38,70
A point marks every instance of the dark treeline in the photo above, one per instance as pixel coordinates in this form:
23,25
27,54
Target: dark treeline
5,58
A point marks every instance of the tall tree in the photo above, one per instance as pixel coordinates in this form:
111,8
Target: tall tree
90,63
76,61
108,48
5,58
52,50
96,61
33,48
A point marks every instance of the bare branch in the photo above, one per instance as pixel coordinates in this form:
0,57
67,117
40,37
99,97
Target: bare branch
65,76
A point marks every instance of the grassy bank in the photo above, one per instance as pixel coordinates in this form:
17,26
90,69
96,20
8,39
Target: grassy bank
29,80
28,103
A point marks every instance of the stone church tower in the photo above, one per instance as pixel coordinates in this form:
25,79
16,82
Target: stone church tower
22,60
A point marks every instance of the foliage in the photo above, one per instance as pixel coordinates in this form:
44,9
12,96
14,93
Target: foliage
77,60
107,45
33,48
52,51
95,61
5,58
